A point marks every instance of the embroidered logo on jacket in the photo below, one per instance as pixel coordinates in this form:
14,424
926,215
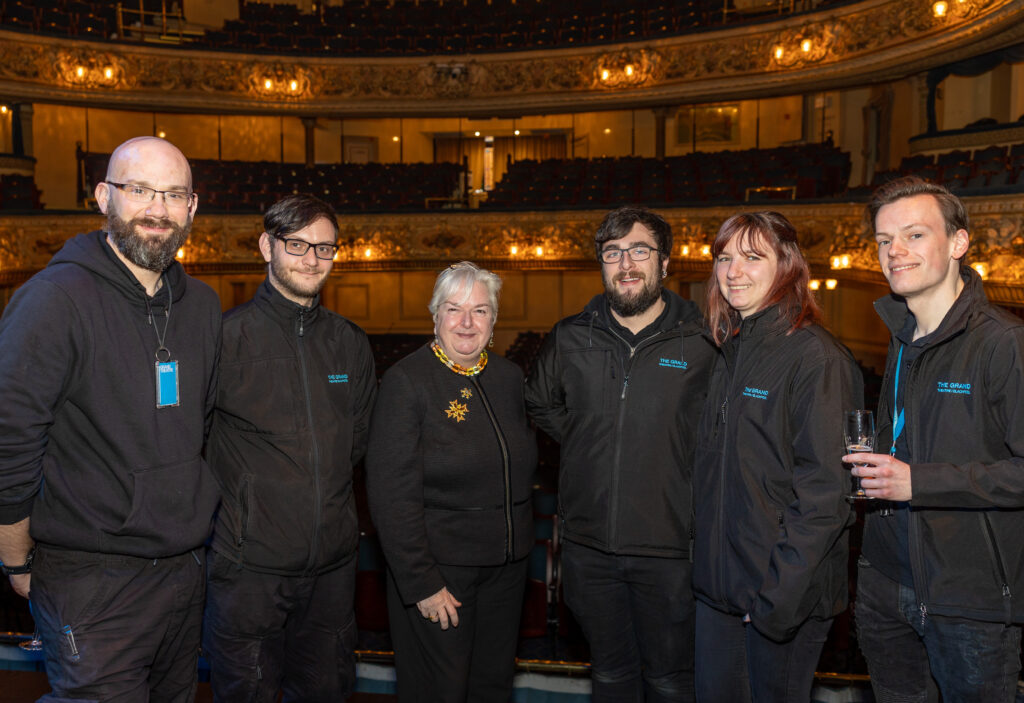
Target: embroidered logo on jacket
954,387
673,363
337,378
758,393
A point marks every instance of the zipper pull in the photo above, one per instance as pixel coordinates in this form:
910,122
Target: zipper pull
722,409
1006,591
302,317
924,613
625,382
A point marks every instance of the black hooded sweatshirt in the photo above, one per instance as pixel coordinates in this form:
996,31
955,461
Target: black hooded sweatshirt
84,450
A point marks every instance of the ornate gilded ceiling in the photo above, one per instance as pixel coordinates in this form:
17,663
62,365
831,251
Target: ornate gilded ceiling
854,44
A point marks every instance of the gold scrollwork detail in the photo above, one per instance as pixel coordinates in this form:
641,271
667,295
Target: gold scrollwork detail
280,81
81,68
627,68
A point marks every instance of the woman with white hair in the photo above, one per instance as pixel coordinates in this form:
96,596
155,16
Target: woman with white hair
449,471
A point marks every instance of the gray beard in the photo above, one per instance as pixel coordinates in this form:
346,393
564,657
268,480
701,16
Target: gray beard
150,253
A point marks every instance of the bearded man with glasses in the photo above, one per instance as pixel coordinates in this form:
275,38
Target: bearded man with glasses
620,386
107,373
297,386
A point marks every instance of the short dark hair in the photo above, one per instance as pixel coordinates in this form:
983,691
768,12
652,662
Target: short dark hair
294,212
954,214
617,223
758,231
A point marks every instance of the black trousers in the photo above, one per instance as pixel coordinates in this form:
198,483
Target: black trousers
471,663
264,632
118,629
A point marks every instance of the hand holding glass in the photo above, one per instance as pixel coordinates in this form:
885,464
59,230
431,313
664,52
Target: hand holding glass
859,434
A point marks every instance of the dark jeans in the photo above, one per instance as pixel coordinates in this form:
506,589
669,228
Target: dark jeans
737,664
637,615
265,632
471,663
118,629
909,656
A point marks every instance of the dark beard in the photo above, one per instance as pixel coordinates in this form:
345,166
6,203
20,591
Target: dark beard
628,306
284,280
151,253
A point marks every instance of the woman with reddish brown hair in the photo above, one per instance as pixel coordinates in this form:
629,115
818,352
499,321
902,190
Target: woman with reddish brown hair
770,552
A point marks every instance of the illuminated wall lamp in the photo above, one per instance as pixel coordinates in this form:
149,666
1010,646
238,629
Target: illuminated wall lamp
814,284
940,8
705,250
778,53
981,268
686,250
839,262
805,45
368,253
513,250
540,251
831,283
181,254
267,83
605,74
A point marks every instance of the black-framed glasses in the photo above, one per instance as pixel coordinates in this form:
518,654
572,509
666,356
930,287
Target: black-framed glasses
299,247
145,194
637,252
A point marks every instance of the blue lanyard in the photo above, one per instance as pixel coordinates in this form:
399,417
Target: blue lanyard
897,413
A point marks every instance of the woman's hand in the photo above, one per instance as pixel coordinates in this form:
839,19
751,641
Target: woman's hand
441,607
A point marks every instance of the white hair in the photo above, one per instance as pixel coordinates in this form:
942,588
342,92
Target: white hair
462,277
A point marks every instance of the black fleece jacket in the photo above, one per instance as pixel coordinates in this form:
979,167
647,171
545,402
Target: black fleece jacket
626,418
769,484
84,450
964,422
293,412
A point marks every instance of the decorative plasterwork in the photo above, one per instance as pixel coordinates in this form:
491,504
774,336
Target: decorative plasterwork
225,244
851,45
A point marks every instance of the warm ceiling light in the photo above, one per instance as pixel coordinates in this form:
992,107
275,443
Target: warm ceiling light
831,283
108,73
514,250
293,86
629,69
516,133
607,130
540,251
368,253
162,134
476,134
939,8
605,74
394,138
267,83
805,45
814,284
80,71
778,52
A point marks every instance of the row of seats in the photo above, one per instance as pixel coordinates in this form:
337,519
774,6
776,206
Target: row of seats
19,192
808,171
247,186
368,27
992,169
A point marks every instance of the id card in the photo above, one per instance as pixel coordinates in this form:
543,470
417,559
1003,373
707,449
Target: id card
167,384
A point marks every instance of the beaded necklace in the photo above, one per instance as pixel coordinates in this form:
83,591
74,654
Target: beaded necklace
461,370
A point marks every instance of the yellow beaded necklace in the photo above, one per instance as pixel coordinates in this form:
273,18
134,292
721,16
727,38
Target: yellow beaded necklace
461,370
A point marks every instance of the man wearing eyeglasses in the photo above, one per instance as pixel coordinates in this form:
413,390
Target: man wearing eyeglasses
620,386
107,371
297,386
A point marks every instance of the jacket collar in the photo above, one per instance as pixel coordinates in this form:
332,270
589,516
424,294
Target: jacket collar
283,309
893,308
598,313
763,323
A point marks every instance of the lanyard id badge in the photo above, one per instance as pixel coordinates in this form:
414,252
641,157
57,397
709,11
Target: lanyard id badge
166,381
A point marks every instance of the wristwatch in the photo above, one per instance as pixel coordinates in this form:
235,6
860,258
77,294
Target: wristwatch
23,569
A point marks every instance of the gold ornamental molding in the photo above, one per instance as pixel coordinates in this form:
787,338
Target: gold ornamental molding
855,44
832,237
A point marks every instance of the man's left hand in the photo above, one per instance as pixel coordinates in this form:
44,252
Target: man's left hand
883,476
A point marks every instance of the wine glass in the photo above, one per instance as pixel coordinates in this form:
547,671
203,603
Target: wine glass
859,435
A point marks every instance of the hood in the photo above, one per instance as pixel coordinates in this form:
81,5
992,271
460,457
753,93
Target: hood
91,252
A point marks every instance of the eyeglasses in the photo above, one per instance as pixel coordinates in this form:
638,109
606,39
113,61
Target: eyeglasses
299,247
145,194
638,252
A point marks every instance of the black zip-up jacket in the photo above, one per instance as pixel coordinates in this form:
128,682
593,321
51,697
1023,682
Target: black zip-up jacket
296,391
964,422
449,470
769,484
84,451
626,418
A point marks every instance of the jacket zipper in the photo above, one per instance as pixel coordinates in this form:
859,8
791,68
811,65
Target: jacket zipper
506,471
613,517
244,500
314,447
731,368
993,549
